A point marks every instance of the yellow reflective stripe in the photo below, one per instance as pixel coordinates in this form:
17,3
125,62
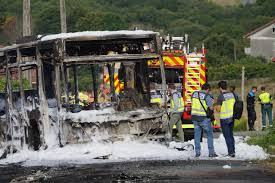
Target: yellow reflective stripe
185,126
169,60
155,100
180,61
181,105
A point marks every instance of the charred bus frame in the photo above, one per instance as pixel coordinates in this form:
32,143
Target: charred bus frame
50,57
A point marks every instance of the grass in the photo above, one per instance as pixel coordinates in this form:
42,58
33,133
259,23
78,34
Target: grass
240,125
266,141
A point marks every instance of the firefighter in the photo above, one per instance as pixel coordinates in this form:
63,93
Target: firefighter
176,110
83,98
155,97
200,102
266,107
251,113
225,106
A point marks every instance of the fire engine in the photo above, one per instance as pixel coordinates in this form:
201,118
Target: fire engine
187,70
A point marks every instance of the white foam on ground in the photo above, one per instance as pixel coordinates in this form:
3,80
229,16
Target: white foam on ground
226,167
128,150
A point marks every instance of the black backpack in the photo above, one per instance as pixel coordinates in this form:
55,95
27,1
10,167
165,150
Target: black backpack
238,108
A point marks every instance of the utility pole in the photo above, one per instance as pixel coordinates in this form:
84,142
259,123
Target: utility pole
27,30
63,23
235,52
26,17
63,16
243,72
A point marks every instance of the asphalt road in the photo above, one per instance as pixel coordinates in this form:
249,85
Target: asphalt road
210,171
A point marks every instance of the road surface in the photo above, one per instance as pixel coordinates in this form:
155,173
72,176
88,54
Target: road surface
210,171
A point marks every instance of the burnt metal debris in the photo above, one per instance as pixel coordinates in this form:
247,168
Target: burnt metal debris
50,111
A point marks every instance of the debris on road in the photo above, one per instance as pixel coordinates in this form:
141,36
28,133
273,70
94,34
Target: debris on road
226,167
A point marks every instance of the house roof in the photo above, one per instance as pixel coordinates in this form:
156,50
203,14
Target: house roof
259,29
273,59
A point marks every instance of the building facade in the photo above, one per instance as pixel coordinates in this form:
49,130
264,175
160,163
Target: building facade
262,41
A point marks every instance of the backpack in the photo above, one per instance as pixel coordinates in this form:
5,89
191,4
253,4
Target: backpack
238,108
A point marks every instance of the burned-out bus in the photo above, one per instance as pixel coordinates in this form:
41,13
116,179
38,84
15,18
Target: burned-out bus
54,91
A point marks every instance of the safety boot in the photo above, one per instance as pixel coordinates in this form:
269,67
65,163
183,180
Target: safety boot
213,155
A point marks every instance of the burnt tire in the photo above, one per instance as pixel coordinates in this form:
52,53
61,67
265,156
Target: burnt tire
188,134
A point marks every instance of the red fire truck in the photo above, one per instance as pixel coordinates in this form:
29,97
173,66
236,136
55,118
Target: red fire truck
187,70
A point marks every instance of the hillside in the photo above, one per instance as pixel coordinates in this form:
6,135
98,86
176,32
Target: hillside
220,28
233,2
226,2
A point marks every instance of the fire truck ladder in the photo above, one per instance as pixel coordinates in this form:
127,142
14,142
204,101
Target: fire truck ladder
192,75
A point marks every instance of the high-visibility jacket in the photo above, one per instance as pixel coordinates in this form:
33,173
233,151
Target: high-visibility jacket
265,98
227,108
83,98
180,103
196,108
155,98
215,123
71,99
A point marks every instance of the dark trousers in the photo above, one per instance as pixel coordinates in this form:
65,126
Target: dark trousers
227,130
251,116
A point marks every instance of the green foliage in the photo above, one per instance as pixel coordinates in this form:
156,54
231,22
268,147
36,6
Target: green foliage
264,141
100,21
201,19
85,82
15,84
2,84
240,125
2,20
254,68
220,28
46,19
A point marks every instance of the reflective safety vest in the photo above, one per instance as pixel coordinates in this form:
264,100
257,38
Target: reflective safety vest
155,98
71,99
215,123
83,98
265,98
196,108
180,103
227,108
